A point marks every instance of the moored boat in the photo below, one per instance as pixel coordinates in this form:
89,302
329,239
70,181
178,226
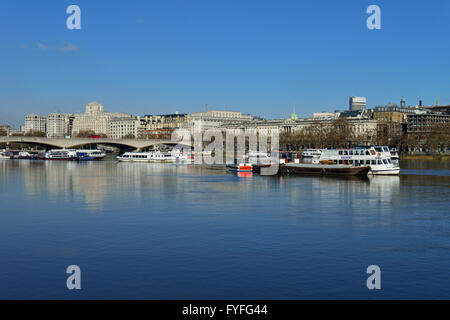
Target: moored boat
5,156
324,169
154,156
134,157
60,154
84,156
310,153
377,158
91,155
240,167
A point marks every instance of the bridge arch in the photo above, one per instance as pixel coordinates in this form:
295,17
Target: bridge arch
61,143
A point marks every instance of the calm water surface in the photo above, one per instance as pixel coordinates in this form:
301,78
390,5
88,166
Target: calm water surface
148,231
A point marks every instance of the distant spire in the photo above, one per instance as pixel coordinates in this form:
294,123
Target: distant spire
294,116
437,102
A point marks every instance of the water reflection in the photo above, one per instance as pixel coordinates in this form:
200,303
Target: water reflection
96,183
168,230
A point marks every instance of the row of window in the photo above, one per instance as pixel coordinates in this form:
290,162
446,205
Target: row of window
135,156
366,162
354,153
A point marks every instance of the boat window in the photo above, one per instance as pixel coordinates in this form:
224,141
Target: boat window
350,152
374,162
378,149
351,161
386,149
367,161
380,162
385,161
367,153
345,153
340,152
340,162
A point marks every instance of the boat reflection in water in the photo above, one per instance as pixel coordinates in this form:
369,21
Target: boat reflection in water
245,174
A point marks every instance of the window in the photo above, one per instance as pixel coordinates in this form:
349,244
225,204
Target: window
373,162
380,162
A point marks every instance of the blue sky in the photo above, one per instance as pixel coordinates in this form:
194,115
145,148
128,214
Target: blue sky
258,57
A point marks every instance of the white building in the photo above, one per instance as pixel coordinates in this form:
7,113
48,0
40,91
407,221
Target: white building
217,118
325,115
6,128
35,123
58,125
357,103
360,127
122,127
94,119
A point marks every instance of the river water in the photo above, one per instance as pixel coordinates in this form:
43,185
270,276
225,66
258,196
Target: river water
156,231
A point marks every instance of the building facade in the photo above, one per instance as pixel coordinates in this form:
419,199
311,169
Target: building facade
124,127
357,103
359,127
217,118
58,125
35,123
165,121
392,112
6,129
419,123
95,119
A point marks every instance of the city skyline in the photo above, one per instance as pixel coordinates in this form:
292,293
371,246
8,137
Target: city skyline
257,58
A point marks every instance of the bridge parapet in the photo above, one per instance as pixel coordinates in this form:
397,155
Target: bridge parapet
63,143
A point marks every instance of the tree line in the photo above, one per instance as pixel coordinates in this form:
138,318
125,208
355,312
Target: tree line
341,134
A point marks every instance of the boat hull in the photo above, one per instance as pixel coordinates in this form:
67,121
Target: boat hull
326,170
62,159
387,172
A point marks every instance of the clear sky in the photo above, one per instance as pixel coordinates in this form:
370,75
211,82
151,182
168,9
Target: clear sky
256,56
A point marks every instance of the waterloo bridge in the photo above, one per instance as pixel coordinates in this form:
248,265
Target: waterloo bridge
78,143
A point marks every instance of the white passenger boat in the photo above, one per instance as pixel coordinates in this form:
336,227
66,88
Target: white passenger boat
23,155
158,156
378,158
60,154
182,157
95,155
394,154
311,153
4,156
154,156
